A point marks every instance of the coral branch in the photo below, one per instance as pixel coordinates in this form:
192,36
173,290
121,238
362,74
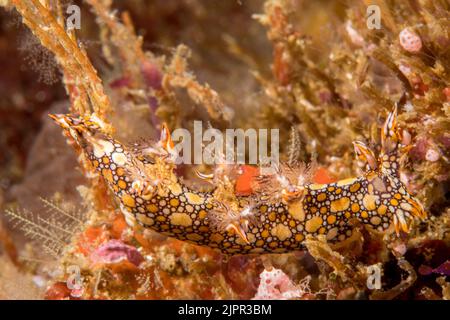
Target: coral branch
69,55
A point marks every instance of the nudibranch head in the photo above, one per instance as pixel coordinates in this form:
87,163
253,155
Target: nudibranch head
89,133
83,130
383,175
81,124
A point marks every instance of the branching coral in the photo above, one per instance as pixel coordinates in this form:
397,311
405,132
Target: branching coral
81,79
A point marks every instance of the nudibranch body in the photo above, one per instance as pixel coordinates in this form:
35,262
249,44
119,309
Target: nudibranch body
152,196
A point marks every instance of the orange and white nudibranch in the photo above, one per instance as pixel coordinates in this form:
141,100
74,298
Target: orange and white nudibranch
152,196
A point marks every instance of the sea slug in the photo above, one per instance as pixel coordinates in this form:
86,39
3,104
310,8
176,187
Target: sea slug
152,196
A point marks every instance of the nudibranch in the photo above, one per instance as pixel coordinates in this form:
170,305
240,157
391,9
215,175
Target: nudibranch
151,196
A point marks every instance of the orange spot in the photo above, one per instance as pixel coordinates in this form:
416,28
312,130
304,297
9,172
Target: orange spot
340,204
272,216
152,208
118,226
331,219
355,207
161,218
143,240
323,176
322,196
394,202
382,209
313,224
107,174
122,184
120,171
216,237
202,214
128,201
355,187
174,202
90,239
265,233
244,182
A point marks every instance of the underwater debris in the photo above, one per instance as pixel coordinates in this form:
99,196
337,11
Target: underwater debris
445,287
319,249
399,288
58,291
429,294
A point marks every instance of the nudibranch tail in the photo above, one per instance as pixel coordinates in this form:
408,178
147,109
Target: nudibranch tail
276,219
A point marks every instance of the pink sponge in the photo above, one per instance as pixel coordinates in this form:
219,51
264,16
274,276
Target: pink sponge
115,251
276,285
